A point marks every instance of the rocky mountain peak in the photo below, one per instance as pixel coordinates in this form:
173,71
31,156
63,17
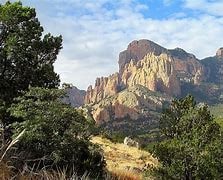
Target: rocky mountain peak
219,52
147,70
151,65
137,50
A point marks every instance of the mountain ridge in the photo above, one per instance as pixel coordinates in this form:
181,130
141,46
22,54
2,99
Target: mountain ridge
145,64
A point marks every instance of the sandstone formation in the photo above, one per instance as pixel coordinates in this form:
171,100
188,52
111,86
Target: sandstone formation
187,66
156,72
151,65
214,67
149,76
137,50
104,86
133,103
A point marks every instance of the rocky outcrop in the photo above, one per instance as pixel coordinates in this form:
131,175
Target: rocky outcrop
104,87
186,65
145,70
131,142
156,72
214,67
151,65
188,68
133,103
137,50
74,96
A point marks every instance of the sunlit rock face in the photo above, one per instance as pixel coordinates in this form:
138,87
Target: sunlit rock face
149,77
151,65
104,87
156,72
137,50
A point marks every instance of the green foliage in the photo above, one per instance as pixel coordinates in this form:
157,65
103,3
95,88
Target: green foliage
204,92
56,135
192,148
26,59
170,119
216,110
115,137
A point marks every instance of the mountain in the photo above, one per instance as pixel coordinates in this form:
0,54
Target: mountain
134,108
74,96
150,65
211,89
149,77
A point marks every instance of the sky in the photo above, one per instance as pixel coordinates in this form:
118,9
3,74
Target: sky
95,31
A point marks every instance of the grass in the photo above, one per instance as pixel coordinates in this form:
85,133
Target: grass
125,162
6,173
125,175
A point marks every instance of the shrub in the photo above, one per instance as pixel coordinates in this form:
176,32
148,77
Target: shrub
192,148
56,136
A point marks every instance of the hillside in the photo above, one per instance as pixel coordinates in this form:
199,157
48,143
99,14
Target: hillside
122,159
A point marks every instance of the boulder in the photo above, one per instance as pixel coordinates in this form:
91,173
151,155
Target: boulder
130,142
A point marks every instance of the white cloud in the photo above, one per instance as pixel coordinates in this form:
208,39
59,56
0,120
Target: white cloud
95,33
214,7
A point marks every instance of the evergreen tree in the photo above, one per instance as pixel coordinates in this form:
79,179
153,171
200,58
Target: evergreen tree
193,146
26,56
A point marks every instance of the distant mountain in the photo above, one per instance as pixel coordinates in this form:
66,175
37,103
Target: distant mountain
74,96
149,77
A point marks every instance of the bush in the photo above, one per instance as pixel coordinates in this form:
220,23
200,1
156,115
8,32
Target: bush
56,136
192,148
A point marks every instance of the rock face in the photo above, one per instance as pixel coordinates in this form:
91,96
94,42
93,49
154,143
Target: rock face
75,96
156,72
214,67
137,50
133,103
151,65
149,76
104,86
130,142
187,66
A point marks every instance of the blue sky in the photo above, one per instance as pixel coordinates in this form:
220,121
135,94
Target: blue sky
95,31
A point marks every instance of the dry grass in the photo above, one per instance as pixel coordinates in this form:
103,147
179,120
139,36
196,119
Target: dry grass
6,173
125,175
125,162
